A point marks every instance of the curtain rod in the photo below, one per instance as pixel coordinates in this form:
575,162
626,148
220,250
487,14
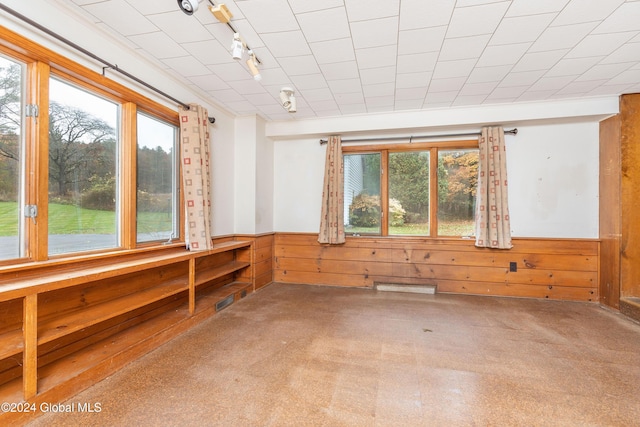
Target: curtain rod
93,56
513,131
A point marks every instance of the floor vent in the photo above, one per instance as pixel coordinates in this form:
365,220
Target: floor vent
403,287
224,303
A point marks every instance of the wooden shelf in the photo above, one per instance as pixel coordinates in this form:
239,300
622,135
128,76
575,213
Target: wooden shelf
11,343
59,326
61,353
210,274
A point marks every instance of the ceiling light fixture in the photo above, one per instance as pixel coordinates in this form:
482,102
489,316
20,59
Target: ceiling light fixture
221,12
237,46
288,100
253,66
188,6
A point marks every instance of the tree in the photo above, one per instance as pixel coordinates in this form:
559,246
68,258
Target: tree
77,140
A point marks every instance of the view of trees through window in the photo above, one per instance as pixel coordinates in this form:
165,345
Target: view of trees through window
82,170
10,157
407,184
157,197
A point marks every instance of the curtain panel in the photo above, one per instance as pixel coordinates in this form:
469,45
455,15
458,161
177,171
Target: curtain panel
493,229
332,215
196,176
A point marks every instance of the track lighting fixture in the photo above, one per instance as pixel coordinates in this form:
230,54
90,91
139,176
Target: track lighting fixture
288,100
221,12
237,47
188,6
252,63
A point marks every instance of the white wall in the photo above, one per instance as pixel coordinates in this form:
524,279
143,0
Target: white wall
264,180
553,181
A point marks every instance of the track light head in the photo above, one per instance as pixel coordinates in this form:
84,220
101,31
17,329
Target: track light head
288,100
188,6
237,47
252,63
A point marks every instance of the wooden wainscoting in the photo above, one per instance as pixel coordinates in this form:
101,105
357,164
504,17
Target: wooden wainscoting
262,258
564,269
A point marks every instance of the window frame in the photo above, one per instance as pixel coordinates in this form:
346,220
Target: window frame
41,64
384,149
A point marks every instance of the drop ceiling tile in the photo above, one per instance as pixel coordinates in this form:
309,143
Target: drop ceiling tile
411,93
309,81
408,104
374,57
463,47
489,74
521,29
268,16
449,69
241,107
572,67
474,20
187,66
507,54
599,44
474,89
536,95
447,84
440,98
630,76
209,82
340,70
303,6
230,72
222,33
565,36
247,86
613,90
421,40
580,88
345,86
361,10
524,78
539,60
299,65
348,109
159,45
267,61
373,33
421,14
323,94
377,90
374,102
273,108
327,52
625,18
227,95
324,25
604,71
528,7
462,100
512,92
378,75
122,17
350,98
416,63
148,7
627,53
413,80
180,27
287,43
262,98
209,52
586,11
328,105
247,32
274,76
551,83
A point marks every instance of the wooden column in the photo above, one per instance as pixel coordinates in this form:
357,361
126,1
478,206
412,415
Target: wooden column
30,354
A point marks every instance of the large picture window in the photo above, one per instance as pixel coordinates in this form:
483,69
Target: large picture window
157,180
411,189
11,158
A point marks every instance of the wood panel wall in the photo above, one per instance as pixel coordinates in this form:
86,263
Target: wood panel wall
564,269
262,258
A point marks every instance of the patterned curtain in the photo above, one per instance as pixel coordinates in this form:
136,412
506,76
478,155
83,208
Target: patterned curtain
492,211
196,176
332,219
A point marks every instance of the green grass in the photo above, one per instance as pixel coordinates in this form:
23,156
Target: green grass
69,219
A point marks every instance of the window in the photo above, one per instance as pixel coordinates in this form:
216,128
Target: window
11,158
411,189
83,178
157,180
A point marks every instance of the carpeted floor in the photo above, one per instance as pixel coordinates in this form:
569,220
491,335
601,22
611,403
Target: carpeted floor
294,355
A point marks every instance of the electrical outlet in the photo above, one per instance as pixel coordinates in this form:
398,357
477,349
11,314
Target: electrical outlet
513,266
